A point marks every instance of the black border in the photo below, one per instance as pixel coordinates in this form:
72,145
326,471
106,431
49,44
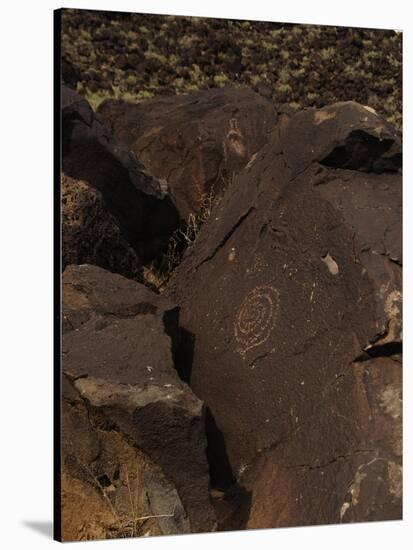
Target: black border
57,510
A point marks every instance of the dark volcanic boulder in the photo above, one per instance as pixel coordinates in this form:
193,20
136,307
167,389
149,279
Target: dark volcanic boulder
371,205
109,487
90,234
342,135
361,480
293,292
128,418
140,203
90,292
197,142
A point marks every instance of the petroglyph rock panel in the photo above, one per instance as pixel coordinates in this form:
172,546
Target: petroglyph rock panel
256,317
297,336
197,142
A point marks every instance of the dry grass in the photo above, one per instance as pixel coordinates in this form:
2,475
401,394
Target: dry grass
128,522
158,273
132,524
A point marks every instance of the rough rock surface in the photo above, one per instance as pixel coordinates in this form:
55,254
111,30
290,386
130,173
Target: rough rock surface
110,488
131,425
292,292
197,142
141,204
343,135
90,292
90,234
361,480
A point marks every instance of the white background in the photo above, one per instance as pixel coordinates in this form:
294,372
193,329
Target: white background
26,269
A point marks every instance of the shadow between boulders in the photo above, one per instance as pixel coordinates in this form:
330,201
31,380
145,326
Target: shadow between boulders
364,152
232,508
220,472
184,355
231,501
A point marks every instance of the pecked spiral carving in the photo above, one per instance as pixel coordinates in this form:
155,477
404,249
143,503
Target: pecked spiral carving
255,319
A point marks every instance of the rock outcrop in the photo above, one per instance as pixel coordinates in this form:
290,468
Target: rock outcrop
133,432
361,480
342,135
197,142
293,294
280,334
141,204
90,292
109,487
90,234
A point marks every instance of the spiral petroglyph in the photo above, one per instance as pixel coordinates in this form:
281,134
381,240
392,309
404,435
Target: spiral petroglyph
255,319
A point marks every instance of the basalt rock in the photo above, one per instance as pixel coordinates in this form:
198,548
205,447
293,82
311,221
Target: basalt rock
342,135
293,292
361,480
90,234
197,142
90,292
109,487
371,206
131,424
141,204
